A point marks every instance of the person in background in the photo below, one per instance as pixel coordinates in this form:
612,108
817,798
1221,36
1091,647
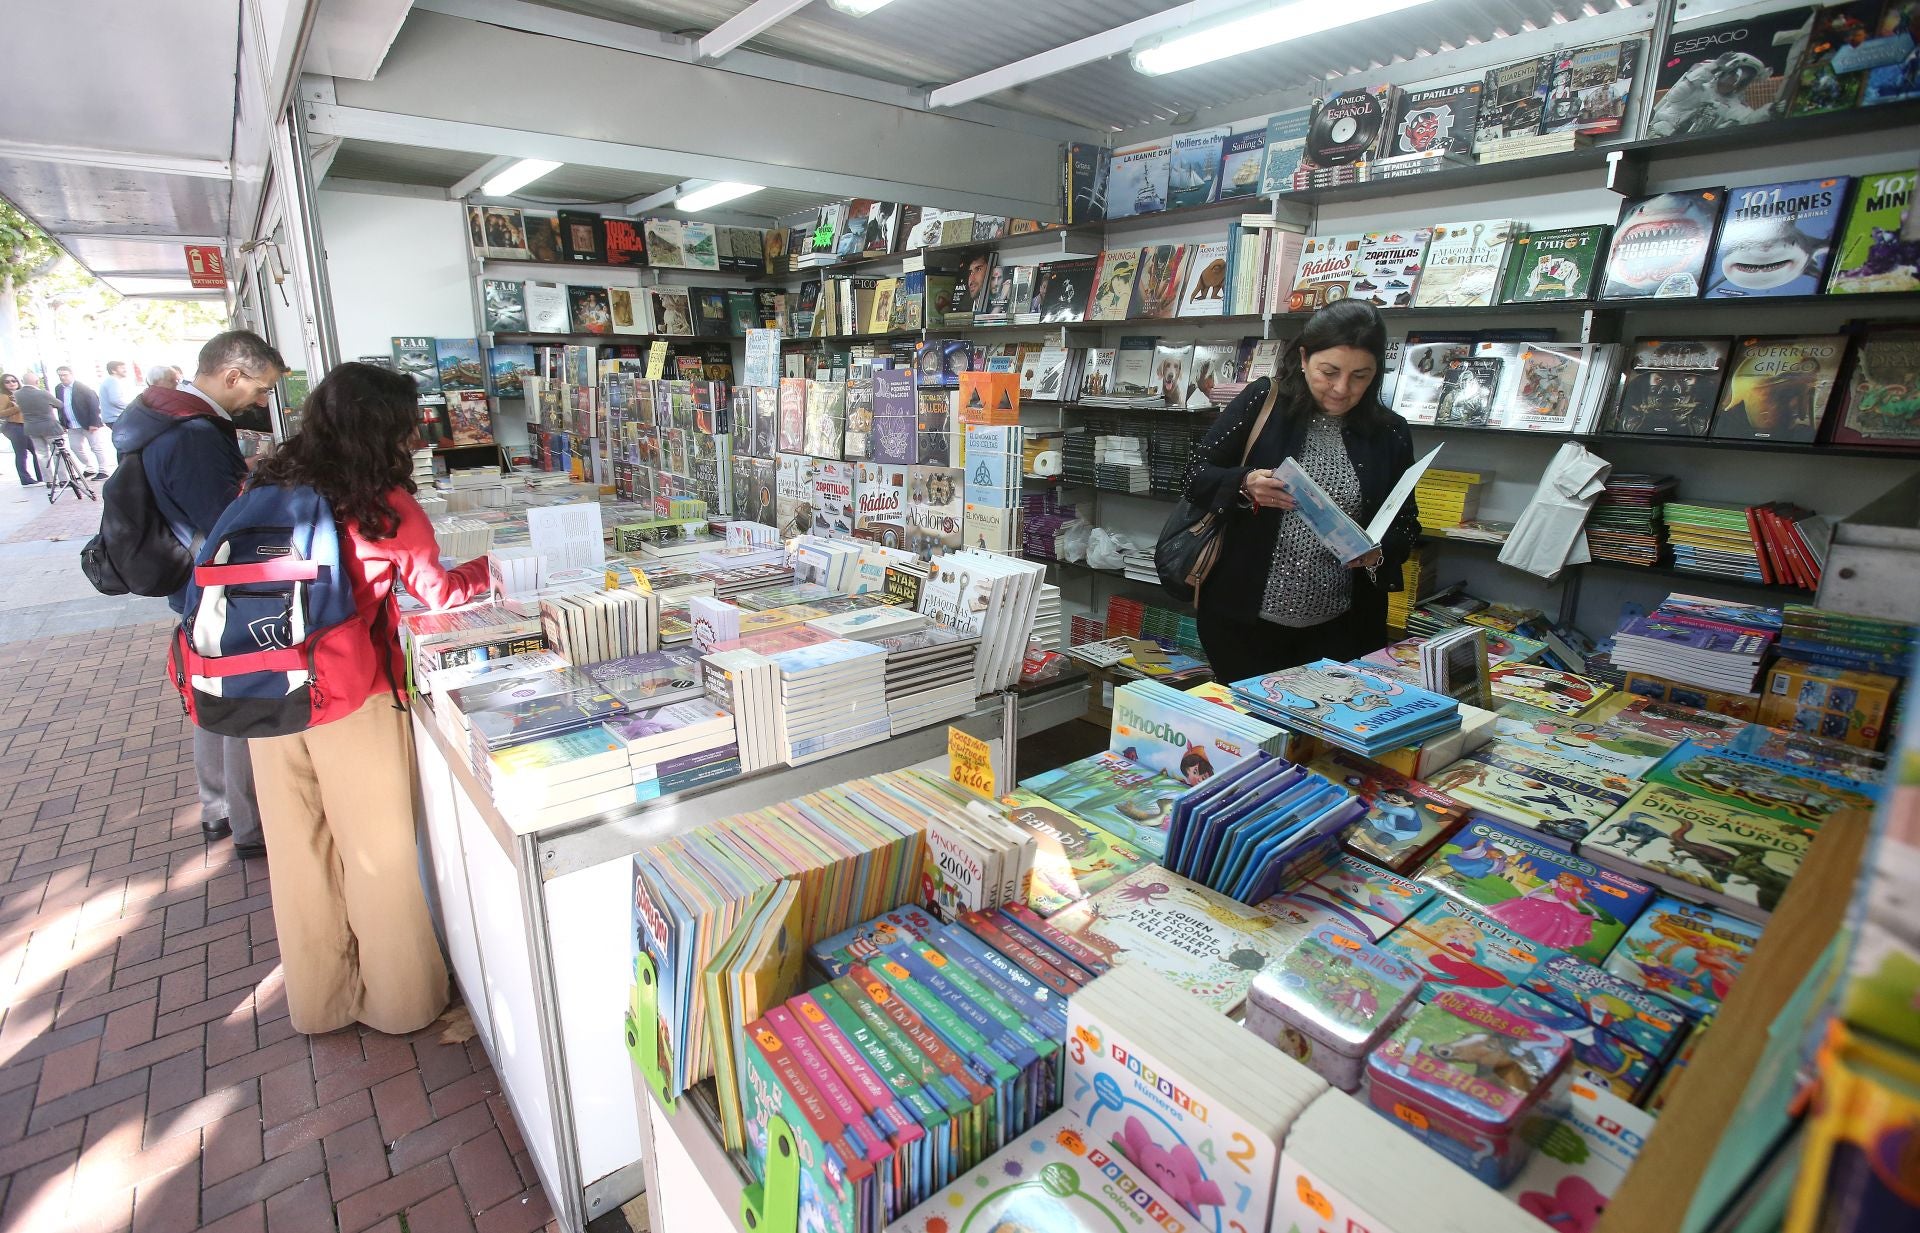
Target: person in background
188,446
166,376
25,464
41,419
356,943
117,392
1277,598
86,435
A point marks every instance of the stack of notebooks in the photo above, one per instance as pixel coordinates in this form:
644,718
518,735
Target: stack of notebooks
678,746
1354,709
1259,827
1712,539
1701,642
1625,524
929,677
832,698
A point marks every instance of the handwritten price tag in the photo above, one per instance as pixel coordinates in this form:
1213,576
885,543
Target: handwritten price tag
970,762
656,361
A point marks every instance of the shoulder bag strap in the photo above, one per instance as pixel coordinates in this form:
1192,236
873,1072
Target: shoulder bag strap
1260,421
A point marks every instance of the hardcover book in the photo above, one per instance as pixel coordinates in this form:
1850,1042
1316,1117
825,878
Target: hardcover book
1775,239
1513,98
580,233
1685,952
1880,245
1128,801
1880,398
504,305
1737,858
1440,119
417,357
1405,819
1672,387
1727,74
496,231
626,243
1388,266
1463,264
1241,158
1779,388
1138,180
1194,167
1156,277
1589,88
1552,796
1350,128
1660,245
1074,859
587,311
1561,264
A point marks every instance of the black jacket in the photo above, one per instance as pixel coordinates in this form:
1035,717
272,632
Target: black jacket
86,405
1238,584
192,460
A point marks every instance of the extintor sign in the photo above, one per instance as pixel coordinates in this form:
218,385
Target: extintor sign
206,267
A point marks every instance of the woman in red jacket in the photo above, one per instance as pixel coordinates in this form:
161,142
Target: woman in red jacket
336,801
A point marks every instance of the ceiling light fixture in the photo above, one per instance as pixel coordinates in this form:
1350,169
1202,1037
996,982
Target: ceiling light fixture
1251,29
517,177
713,195
857,8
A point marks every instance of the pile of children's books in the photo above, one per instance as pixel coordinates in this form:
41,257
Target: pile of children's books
1348,706
1714,644
1258,827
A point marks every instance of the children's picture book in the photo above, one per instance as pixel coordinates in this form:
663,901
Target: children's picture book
1549,689
1660,245
1685,952
1792,794
1880,397
1608,1001
1206,944
1775,239
1572,1180
1736,858
1405,819
1779,388
1456,947
1123,798
1541,893
1553,796
1880,244
1672,387
1464,262
1075,858
1204,292
1561,264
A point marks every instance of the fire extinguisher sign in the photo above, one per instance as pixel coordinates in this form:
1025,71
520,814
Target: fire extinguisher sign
206,267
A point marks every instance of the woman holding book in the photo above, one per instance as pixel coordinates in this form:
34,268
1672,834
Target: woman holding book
1276,597
336,801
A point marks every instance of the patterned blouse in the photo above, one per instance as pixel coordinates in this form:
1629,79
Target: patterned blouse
1306,584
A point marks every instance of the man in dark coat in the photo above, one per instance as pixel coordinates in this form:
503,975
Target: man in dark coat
86,433
189,448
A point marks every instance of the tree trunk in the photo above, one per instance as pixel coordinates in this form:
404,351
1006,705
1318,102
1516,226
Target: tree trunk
9,318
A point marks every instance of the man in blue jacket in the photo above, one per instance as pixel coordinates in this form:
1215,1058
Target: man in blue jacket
190,450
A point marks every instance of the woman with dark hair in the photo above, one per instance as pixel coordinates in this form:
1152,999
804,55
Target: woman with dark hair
336,801
1277,598
26,464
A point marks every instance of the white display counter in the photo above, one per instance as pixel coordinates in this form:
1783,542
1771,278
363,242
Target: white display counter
539,937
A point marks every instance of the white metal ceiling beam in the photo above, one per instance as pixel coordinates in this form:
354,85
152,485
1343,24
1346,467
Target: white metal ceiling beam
664,198
383,188
1102,46
746,24
479,175
179,271
118,160
121,237
438,134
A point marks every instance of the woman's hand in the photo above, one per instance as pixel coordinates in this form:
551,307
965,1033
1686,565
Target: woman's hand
1368,561
1266,492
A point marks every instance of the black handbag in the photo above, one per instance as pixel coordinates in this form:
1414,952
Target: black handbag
1189,543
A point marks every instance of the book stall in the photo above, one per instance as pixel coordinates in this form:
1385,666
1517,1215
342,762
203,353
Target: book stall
1580,904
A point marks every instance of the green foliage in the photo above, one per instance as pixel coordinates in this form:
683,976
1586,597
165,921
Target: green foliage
25,250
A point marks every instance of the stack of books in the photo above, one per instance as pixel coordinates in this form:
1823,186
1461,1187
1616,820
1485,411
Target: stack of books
1625,524
1042,518
1357,710
591,626
832,698
1712,539
1417,577
1449,498
1047,631
782,595
1700,642
462,539
559,779
501,715
678,746
1120,464
1256,829
1843,640
651,679
929,676
732,581
1188,738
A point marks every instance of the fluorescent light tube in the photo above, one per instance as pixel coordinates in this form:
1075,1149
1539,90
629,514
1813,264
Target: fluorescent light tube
857,8
517,177
713,195
1253,29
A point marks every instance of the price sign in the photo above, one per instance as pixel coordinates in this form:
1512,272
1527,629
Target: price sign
656,361
970,762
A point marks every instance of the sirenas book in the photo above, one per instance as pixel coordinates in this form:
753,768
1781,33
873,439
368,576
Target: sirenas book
1879,400
1727,74
1464,263
1138,180
1685,952
1441,119
1775,239
1779,388
1880,245
1672,387
1660,245
1193,176
1561,264
1241,155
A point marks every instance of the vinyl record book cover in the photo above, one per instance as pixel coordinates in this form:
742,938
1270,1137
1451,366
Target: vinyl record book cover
1779,388
1350,127
1728,74
1660,245
1444,118
1672,388
1775,239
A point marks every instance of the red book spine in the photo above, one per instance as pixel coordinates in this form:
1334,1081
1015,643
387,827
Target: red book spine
1759,544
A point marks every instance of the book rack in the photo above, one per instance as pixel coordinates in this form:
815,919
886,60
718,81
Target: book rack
643,1028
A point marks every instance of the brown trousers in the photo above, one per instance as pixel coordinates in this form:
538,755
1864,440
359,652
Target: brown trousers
336,806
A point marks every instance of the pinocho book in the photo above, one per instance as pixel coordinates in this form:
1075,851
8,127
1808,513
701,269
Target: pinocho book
1543,894
1128,801
1684,952
1075,858
1208,945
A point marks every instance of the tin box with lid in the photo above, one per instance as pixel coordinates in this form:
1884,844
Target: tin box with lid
1468,1079
1331,1001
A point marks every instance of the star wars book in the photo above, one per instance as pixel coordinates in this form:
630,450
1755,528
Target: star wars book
1464,263
1775,239
1779,388
1880,397
1137,182
1880,245
1193,176
1660,245
1437,120
1556,265
1589,88
1672,387
1728,74
1241,156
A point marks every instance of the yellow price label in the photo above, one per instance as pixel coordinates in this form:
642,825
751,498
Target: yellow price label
656,361
970,762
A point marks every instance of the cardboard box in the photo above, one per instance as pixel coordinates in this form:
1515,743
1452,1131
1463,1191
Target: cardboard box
1840,704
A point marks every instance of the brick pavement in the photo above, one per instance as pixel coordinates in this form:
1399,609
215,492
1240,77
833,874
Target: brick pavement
149,1079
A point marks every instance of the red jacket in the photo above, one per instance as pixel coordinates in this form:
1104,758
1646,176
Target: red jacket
412,555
